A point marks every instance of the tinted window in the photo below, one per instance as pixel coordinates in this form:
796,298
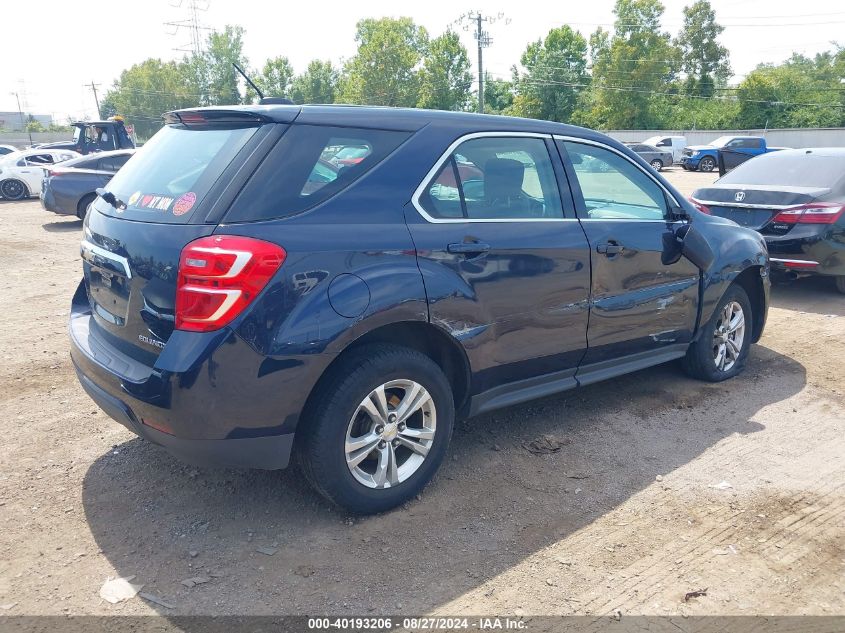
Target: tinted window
304,170
84,163
113,163
174,170
39,159
665,143
613,187
791,170
495,178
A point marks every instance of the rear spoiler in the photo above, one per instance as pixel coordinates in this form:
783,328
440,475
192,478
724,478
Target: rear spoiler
212,117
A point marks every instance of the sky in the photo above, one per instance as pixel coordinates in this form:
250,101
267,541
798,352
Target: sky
68,44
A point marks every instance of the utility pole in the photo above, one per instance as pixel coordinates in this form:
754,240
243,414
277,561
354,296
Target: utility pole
23,122
483,40
96,99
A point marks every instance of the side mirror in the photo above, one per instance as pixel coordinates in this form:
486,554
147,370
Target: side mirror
687,242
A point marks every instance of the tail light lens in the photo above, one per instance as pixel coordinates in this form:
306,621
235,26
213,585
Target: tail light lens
701,207
816,213
219,276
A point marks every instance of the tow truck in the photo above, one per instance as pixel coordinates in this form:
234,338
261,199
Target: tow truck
97,136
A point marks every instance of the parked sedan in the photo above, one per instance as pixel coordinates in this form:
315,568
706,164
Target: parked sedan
69,188
234,308
796,199
21,172
655,157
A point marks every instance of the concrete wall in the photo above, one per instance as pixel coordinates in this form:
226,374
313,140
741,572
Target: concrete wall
786,137
21,139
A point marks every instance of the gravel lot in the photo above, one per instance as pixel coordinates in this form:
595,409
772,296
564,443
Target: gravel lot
627,516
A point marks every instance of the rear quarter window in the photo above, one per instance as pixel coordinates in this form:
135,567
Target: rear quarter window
309,165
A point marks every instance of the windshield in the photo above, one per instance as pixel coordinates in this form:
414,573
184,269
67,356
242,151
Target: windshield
789,170
169,176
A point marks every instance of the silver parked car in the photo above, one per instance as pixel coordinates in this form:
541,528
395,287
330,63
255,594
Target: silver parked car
655,157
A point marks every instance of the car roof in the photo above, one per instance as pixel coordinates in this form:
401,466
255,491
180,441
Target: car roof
832,152
405,119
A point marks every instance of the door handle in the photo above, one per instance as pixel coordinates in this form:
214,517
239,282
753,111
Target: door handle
468,248
610,248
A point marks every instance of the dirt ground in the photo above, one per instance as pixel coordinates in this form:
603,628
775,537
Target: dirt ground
628,516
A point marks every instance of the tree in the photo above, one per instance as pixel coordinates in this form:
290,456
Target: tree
789,95
318,84
555,72
211,74
146,90
384,70
638,62
275,78
33,124
704,61
498,95
445,79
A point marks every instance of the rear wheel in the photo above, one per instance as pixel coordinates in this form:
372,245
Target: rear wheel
840,283
722,347
377,430
82,206
657,164
707,164
13,189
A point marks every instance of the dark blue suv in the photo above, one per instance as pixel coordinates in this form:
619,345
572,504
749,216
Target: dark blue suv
340,283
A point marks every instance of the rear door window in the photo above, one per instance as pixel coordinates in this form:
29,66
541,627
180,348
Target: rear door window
172,173
495,178
310,164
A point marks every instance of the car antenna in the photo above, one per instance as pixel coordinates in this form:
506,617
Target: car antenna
248,80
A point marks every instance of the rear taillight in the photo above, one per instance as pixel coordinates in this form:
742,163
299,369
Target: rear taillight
815,213
701,207
219,276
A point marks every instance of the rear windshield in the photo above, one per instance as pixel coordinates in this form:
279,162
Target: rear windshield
168,178
792,170
310,164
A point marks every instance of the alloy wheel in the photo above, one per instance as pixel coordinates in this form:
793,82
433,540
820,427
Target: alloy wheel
13,190
390,434
728,336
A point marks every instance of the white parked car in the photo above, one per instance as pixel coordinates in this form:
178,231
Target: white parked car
674,144
21,172
7,149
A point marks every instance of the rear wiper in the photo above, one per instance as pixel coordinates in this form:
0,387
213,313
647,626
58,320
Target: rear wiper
109,197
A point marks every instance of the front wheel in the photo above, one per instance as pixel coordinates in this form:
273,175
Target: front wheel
377,430
722,347
13,189
707,164
656,164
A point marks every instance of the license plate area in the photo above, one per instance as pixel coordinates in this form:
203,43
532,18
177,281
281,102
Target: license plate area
108,279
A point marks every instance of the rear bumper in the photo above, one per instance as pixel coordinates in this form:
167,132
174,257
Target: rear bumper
269,452
48,202
209,399
809,250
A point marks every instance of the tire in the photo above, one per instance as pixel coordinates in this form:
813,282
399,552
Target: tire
840,284
706,164
83,204
656,164
703,357
345,409
13,189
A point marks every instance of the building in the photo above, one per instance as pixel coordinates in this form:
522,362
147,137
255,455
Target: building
11,121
